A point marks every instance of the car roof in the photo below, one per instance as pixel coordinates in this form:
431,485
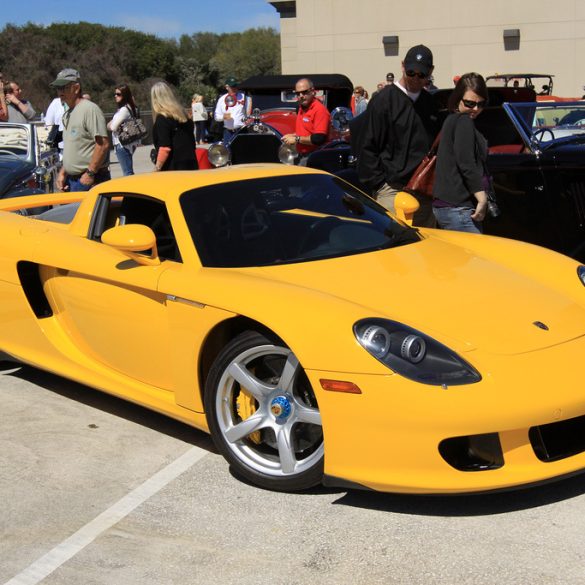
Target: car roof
172,184
320,81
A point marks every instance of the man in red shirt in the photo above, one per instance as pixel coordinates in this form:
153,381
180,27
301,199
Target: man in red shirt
312,125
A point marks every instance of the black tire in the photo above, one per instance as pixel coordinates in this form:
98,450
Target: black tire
263,414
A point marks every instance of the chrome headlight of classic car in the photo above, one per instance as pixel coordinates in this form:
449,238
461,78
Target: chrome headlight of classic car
219,154
287,154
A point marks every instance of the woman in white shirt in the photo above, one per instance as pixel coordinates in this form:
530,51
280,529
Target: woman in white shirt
126,109
199,117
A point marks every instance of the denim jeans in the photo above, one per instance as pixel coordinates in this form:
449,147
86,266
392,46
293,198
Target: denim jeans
76,185
124,155
457,219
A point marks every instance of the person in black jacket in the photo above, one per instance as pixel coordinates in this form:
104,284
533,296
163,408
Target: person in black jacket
459,192
401,123
172,132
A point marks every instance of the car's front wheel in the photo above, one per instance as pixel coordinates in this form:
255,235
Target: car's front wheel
263,414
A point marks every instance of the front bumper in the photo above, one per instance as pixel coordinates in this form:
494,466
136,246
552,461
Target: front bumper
388,438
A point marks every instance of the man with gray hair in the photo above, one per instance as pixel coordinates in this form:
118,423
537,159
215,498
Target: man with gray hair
85,137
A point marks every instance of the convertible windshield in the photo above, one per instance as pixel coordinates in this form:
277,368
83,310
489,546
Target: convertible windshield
547,123
285,219
13,141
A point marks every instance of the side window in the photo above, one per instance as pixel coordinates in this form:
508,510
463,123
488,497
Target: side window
113,210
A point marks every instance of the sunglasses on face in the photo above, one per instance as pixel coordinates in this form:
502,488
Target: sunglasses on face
302,92
117,93
418,74
471,104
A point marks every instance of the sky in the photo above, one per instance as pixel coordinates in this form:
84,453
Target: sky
166,19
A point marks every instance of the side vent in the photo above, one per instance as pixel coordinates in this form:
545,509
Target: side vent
28,272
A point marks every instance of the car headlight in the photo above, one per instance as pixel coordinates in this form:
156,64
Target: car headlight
413,354
581,274
219,154
287,154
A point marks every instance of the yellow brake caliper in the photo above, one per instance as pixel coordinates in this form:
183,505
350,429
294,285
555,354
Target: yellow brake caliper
246,406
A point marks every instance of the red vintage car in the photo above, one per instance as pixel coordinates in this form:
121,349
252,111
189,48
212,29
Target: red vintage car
274,112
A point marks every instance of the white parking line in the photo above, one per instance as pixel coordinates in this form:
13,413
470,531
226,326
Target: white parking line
67,549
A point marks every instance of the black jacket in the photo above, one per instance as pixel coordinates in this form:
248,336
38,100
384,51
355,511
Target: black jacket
397,134
460,161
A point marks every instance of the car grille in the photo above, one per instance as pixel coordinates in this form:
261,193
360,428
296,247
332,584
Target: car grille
558,440
251,148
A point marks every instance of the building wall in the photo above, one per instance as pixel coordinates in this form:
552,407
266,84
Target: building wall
345,36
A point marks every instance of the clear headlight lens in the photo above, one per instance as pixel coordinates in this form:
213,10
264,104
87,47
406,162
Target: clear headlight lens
413,354
219,154
581,274
287,154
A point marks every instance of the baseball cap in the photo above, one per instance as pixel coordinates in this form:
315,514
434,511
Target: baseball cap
66,76
231,81
419,58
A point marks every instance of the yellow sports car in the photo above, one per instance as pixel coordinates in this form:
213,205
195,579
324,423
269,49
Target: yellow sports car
317,338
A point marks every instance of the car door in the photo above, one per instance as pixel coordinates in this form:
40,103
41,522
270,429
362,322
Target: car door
106,307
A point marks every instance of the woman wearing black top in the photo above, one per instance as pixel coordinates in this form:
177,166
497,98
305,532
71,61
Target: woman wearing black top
172,132
459,196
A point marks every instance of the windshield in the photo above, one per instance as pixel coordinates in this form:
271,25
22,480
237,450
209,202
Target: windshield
285,219
551,122
13,141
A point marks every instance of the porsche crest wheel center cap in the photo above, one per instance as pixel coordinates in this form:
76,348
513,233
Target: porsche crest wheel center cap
280,408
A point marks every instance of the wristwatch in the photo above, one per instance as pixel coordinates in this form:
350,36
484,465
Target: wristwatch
297,139
91,174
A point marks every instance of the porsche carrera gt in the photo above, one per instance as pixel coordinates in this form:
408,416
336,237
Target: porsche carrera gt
318,338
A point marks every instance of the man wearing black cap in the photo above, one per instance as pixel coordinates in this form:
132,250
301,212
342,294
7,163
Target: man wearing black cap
401,123
85,137
231,109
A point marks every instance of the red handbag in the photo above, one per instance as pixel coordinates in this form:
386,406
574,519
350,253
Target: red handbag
423,178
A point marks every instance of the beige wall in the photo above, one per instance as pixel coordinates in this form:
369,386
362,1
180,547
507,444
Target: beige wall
345,36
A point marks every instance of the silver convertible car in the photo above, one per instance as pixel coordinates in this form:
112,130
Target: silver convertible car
28,165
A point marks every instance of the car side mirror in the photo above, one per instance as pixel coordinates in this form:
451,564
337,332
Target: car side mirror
131,239
405,205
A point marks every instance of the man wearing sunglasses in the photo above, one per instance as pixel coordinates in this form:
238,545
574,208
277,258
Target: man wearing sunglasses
401,123
312,123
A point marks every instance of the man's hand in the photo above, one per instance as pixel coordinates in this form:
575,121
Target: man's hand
289,139
86,180
62,180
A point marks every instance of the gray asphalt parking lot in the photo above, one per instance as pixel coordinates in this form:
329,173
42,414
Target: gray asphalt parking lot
96,490
99,491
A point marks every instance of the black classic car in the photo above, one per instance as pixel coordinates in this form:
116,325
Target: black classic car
537,160
274,112
28,166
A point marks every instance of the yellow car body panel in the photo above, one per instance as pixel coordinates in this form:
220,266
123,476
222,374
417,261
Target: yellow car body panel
137,331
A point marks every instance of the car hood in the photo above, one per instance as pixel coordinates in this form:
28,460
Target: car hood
11,170
448,292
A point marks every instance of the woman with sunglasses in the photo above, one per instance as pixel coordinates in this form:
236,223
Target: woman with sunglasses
459,192
126,109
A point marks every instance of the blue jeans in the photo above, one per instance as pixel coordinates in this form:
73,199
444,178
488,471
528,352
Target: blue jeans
124,155
457,219
76,185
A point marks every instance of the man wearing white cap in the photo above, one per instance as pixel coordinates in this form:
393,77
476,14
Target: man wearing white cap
85,137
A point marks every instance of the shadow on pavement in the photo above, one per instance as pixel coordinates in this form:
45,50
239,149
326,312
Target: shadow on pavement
111,404
484,504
